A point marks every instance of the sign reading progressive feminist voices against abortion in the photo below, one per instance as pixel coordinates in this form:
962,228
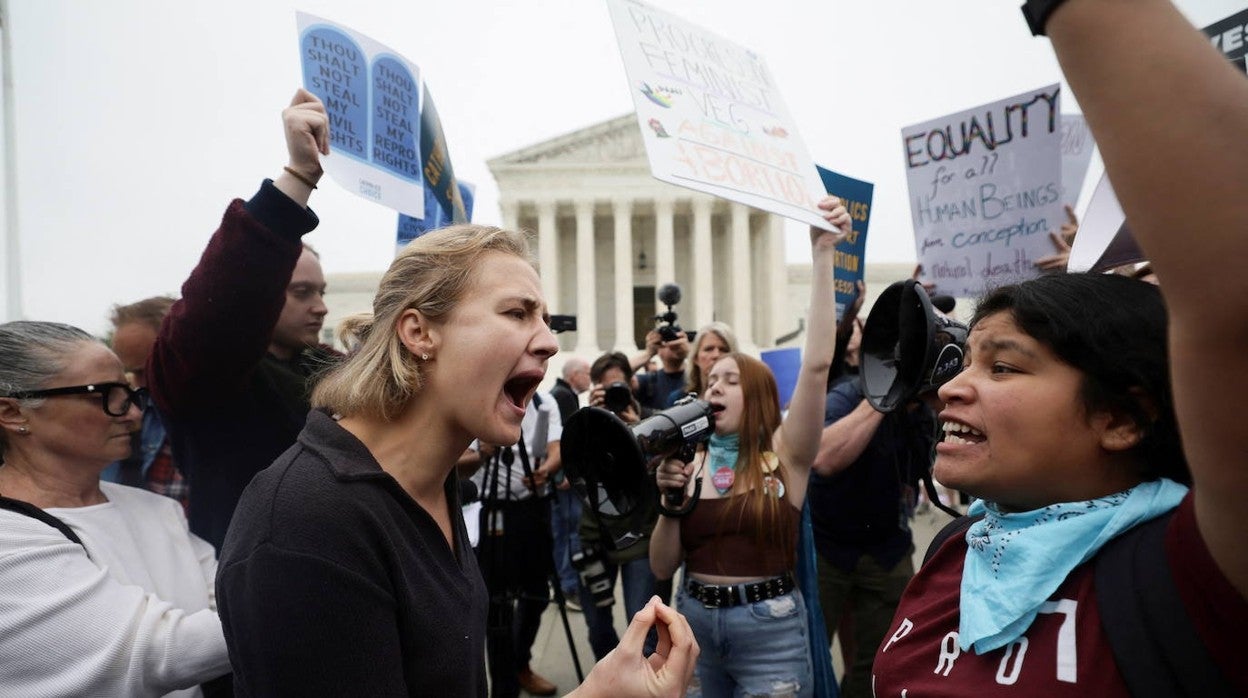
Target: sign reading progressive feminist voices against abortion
372,97
849,267
711,116
986,190
1077,147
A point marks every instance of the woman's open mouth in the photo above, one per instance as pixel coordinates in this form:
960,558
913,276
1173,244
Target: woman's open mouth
958,433
520,387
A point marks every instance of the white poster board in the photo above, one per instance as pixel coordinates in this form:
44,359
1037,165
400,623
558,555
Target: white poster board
372,97
1077,147
1104,241
711,117
985,191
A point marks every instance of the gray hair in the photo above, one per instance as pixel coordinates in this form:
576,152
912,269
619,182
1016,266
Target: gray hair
34,353
573,365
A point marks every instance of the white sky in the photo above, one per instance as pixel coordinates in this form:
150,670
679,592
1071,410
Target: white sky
138,120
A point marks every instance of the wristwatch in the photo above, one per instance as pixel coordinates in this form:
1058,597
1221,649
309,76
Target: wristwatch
1037,13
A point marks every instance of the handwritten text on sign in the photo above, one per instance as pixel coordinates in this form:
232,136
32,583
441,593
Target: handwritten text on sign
985,190
372,97
710,115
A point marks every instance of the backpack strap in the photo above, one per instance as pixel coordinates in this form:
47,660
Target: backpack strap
34,512
954,528
1155,645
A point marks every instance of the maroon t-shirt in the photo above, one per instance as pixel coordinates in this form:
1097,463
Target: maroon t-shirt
1064,652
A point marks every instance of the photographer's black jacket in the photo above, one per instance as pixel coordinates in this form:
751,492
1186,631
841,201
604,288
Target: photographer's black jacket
333,581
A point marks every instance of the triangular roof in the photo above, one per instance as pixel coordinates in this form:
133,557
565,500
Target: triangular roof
616,141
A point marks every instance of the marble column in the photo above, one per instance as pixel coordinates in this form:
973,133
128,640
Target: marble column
742,290
782,320
703,286
586,302
548,254
664,247
511,213
623,233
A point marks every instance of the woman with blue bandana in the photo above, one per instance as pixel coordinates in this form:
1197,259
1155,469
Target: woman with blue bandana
1064,424
739,542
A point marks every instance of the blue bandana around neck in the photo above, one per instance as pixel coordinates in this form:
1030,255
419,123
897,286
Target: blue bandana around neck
1015,561
722,452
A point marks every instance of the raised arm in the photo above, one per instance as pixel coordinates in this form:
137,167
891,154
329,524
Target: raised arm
797,439
220,329
1171,124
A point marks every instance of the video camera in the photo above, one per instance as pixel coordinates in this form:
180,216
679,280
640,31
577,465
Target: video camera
669,295
908,349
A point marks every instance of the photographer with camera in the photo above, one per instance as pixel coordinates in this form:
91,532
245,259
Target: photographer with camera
600,563
667,341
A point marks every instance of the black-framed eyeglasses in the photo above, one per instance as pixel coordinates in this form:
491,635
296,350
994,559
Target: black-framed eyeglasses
117,398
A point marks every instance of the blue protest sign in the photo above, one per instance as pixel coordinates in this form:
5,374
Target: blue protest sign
446,200
785,363
334,69
395,108
412,228
851,254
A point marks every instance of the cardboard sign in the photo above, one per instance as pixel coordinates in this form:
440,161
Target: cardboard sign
711,116
1104,240
372,97
850,265
1230,36
1077,147
985,191
447,201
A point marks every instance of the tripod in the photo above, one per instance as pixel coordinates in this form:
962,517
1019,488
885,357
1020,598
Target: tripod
517,563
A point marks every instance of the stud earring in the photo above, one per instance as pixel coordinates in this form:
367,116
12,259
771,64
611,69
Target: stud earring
424,357
23,430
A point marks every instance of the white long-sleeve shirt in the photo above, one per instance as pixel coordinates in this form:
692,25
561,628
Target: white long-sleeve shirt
132,615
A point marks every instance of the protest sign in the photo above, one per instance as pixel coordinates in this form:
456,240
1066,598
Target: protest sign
1230,36
985,191
850,253
1104,240
711,116
444,197
372,97
785,364
1077,147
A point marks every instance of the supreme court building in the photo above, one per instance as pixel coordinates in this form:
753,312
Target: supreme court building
608,235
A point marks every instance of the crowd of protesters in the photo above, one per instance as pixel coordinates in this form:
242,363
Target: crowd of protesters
219,504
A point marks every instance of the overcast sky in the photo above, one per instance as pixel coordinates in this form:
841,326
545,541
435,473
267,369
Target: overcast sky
138,120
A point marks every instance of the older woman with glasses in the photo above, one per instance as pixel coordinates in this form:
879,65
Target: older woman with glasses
105,591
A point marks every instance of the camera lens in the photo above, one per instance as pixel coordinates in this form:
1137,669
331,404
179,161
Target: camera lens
617,397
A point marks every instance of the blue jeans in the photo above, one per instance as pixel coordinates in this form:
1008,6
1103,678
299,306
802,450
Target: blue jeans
755,649
638,583
565,517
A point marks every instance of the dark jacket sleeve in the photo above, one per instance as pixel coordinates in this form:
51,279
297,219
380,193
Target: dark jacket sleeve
300,625
220,329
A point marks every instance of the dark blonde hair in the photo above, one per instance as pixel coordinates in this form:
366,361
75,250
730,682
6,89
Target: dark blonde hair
694,383
431,275
760,417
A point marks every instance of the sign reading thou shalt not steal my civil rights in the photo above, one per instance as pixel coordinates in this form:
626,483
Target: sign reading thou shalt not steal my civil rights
986,190
711,116
372,97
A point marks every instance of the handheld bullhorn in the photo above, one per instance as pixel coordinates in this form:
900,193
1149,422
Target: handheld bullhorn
907,347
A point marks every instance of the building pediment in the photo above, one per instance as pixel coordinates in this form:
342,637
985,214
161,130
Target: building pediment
614,142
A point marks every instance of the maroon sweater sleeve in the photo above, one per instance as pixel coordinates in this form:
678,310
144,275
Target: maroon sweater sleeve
214,336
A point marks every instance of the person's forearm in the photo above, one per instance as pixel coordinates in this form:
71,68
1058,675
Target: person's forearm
665,550
844,440
804,422
1165,121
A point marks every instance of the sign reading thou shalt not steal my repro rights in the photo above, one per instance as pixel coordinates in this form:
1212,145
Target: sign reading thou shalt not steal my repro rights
985,191
372,97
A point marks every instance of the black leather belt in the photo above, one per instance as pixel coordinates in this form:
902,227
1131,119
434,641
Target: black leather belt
728,595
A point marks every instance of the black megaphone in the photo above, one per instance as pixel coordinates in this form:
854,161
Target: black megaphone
907,347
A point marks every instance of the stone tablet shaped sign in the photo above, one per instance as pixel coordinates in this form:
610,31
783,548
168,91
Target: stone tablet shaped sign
372,97
985,191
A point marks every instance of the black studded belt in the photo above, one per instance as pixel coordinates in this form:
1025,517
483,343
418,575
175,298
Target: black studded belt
728,595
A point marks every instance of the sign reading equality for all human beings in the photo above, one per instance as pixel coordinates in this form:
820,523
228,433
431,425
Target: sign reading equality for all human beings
711,116
372,97
1230,36
985,191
